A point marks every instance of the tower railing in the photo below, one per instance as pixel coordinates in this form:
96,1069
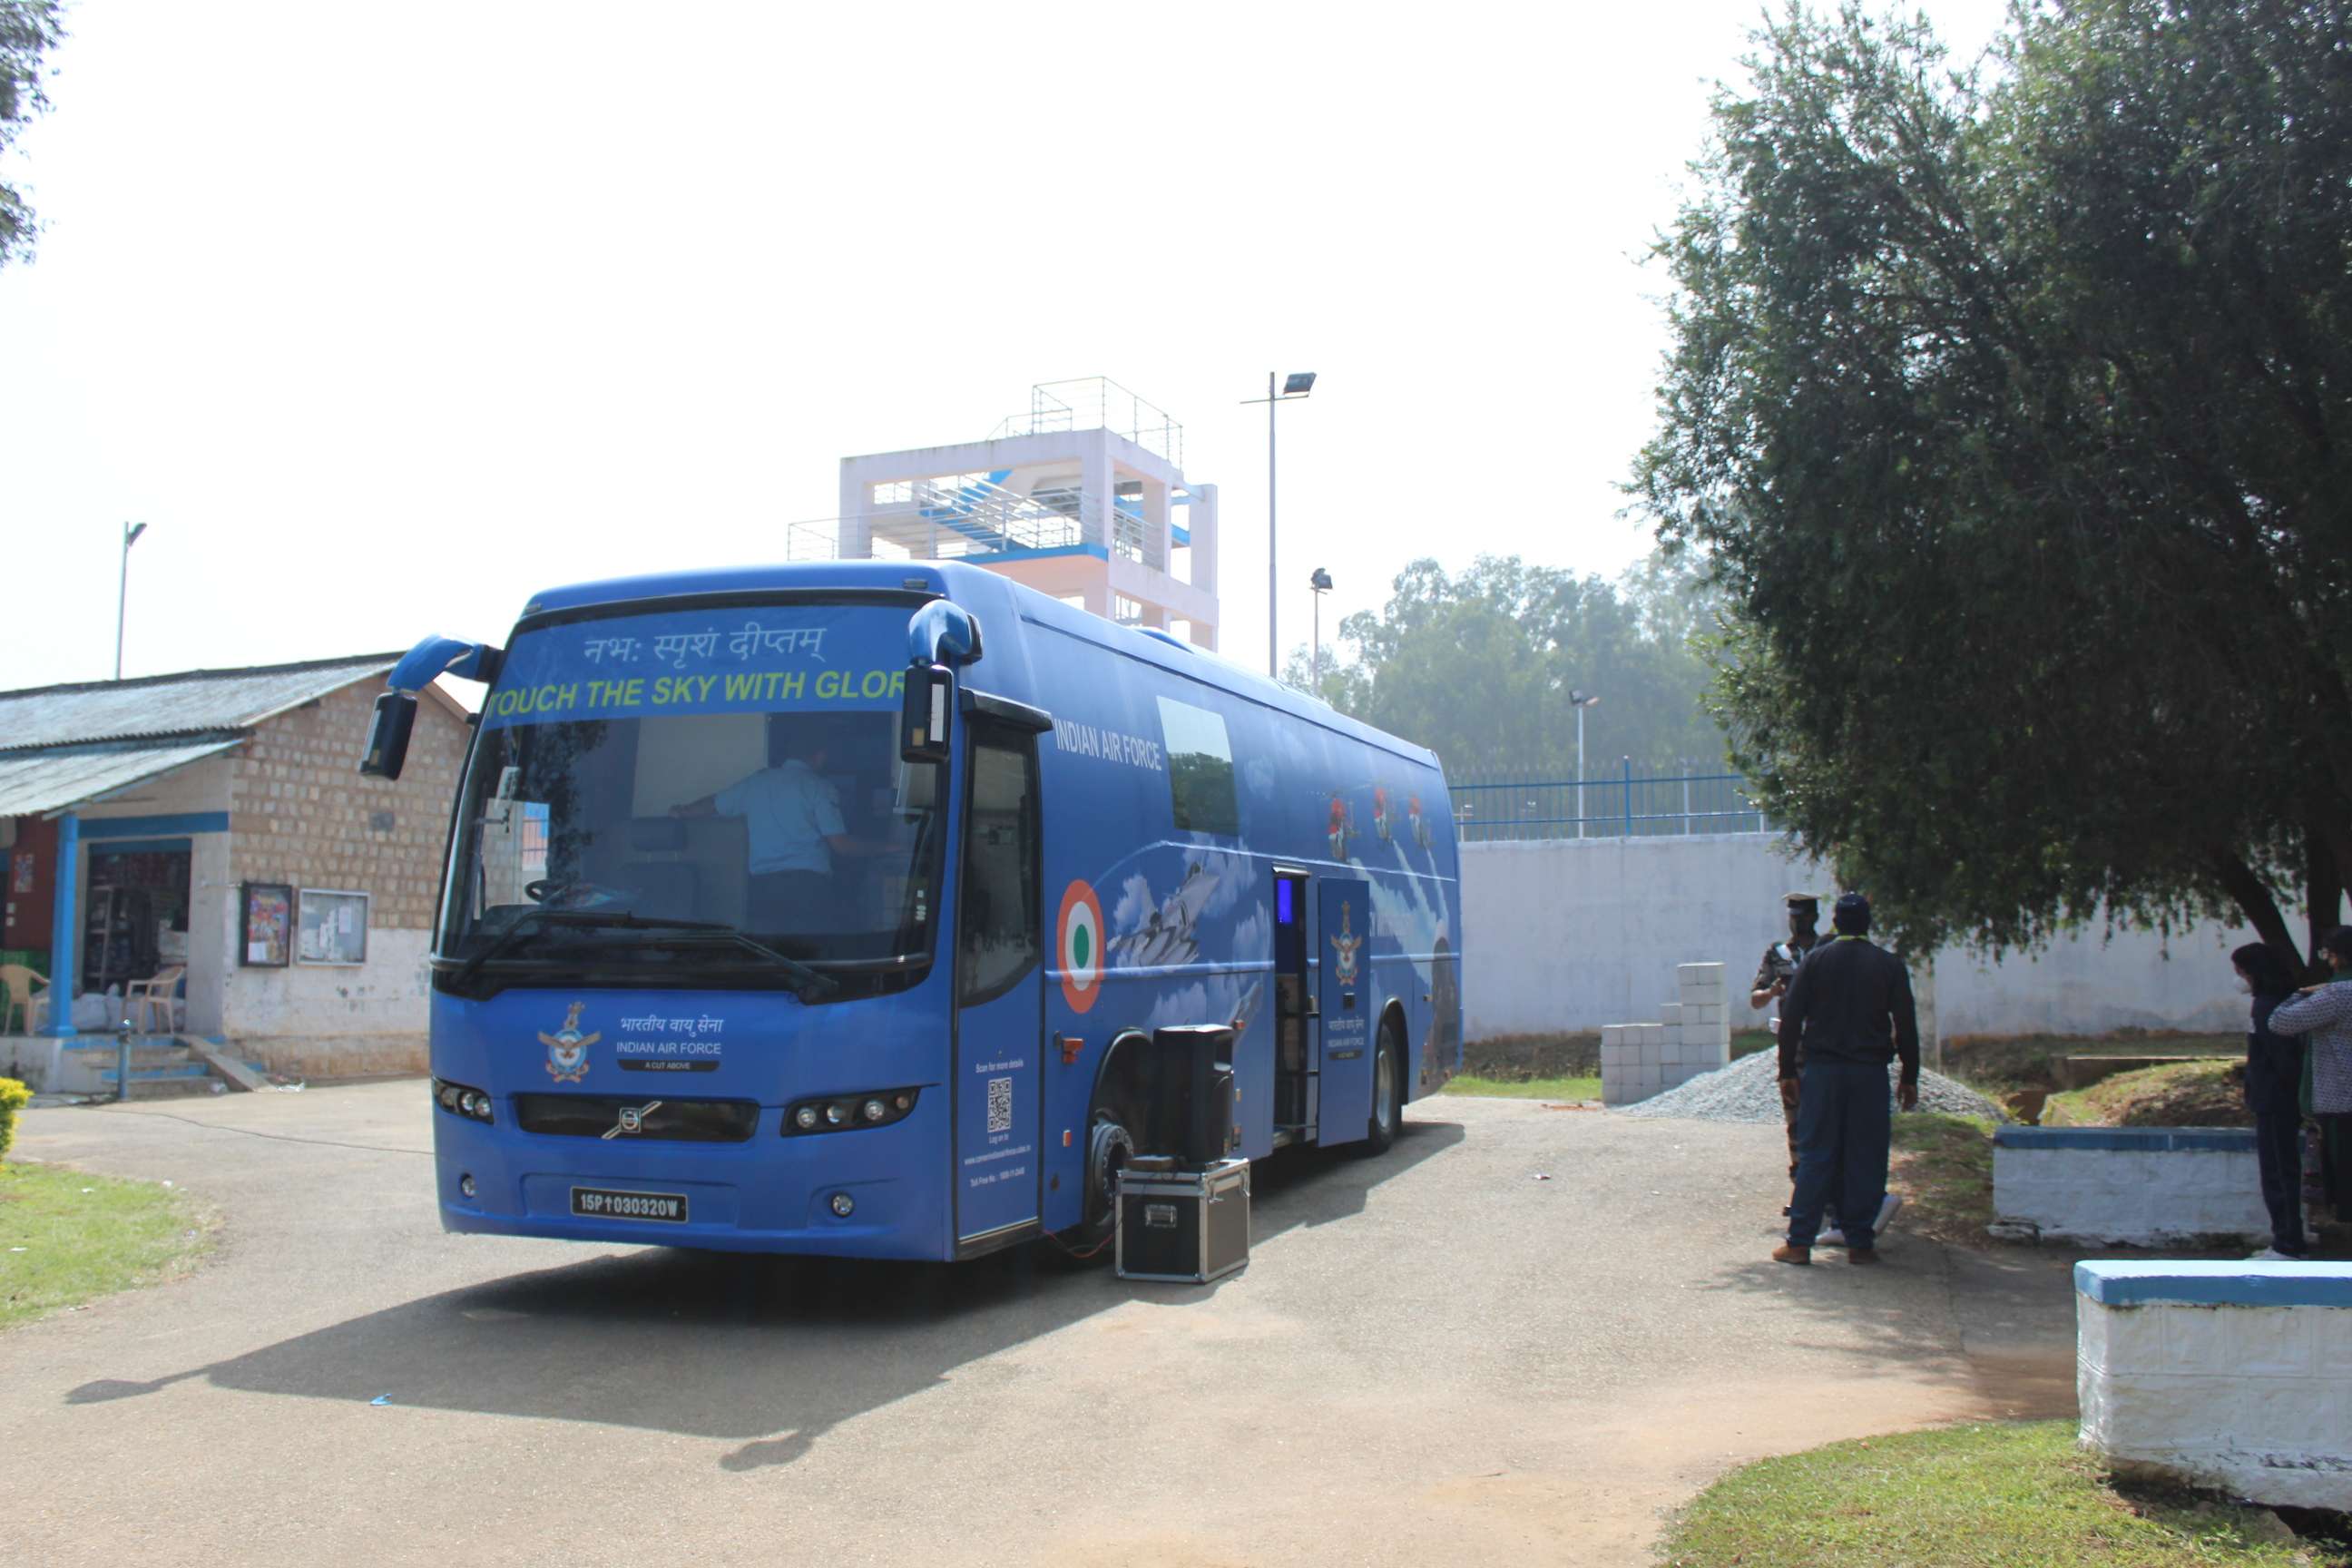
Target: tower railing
1096,402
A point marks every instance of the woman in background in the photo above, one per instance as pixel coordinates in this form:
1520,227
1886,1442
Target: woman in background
2275,1094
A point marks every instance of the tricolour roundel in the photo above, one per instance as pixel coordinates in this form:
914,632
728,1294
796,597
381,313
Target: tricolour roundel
1080,946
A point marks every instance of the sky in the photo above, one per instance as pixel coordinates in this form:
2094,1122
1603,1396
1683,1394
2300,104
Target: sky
383,318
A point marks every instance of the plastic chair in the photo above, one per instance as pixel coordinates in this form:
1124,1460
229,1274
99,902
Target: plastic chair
22,989
142,999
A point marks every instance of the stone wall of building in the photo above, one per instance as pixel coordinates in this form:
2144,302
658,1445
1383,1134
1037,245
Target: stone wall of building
300,814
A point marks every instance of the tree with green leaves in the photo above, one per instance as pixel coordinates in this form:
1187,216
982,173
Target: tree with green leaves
2013,408
28,30
1479,667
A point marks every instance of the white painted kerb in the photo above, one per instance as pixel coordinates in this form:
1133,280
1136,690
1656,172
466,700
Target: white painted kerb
2137,1186
2231,1375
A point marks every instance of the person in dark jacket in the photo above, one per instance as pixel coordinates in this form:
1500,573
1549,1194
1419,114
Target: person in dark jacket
2275,1094
2322,1014
1849,1011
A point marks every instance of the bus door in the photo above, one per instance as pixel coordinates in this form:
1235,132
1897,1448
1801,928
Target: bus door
1294,1012
1344,998
1000,1003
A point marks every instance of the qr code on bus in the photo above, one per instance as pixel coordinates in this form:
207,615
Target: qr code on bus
1000,1105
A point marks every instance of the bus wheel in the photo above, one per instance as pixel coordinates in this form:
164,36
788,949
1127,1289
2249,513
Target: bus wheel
1388,1092
1109,1146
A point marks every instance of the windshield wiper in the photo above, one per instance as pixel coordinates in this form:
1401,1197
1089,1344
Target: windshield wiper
807,981
523,925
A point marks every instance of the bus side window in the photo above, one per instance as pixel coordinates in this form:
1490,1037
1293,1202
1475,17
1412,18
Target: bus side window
998,927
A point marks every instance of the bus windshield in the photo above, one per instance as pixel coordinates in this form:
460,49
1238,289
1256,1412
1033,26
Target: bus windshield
644,795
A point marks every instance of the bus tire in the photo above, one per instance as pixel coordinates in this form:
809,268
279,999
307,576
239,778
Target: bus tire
1388,1092
1110,1142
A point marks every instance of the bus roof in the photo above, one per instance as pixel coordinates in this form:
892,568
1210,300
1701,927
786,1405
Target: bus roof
979,591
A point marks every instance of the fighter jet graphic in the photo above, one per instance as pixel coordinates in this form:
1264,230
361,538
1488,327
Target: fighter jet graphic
1167,935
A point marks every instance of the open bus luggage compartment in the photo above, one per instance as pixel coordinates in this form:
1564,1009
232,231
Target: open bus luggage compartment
1185,1226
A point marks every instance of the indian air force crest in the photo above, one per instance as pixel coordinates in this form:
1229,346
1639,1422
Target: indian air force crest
567,1048
1343,948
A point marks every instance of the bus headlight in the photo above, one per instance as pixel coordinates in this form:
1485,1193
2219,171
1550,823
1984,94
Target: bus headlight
457,1099
850,1112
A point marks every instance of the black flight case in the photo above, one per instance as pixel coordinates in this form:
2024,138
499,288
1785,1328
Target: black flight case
1186,1227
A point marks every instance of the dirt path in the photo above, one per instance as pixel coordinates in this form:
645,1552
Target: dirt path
1435,1358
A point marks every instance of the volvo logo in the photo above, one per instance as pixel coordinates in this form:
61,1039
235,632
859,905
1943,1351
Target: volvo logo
632,1118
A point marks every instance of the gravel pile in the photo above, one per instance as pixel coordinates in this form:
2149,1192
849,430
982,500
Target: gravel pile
1749,1090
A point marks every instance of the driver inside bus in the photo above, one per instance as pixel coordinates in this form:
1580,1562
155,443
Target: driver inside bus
791,817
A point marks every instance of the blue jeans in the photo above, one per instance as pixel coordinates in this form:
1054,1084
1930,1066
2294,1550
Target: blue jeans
1845,1123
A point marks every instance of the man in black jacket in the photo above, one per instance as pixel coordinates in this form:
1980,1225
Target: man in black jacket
1849,1012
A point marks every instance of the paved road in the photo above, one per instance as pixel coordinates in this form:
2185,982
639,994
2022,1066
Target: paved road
1435,1357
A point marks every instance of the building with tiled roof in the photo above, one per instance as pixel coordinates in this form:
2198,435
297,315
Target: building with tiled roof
208,833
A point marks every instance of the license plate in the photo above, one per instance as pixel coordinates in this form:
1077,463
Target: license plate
600,1203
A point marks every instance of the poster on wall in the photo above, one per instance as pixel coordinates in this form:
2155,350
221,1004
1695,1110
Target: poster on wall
23,882
267,924
331,927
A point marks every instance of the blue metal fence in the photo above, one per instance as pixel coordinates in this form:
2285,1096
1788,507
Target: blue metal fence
1490,808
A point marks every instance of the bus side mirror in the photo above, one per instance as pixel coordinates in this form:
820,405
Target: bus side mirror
387,742
923,720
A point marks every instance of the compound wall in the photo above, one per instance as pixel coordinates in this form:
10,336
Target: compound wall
1570,934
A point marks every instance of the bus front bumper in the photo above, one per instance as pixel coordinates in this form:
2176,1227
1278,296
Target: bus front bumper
771,1194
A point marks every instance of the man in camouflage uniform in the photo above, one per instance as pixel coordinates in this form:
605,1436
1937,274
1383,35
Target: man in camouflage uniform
1771,982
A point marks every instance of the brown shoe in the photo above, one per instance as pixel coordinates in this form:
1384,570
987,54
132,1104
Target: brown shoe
1786,1254
1863,1255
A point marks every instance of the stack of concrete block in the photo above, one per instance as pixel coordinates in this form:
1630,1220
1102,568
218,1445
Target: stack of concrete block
1630,1062
1693,1036
1705,1016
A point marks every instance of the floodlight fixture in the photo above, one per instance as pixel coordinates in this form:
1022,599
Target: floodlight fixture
1299,385
1320,582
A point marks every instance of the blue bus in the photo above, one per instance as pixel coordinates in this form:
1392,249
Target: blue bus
830,909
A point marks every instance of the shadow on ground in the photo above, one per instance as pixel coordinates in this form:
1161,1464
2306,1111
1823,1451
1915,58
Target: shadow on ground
784,1348
2002,1321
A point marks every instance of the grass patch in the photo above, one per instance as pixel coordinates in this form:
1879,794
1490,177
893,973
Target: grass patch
1747,1042
85,1236
1525,1089
1997,1495
1510,1059
2001,1065
2178,1094
1943,1166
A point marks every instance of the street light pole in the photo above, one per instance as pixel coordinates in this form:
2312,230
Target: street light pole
1273,644
1298,384
131,533
1580,700
1580,769
1320,584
